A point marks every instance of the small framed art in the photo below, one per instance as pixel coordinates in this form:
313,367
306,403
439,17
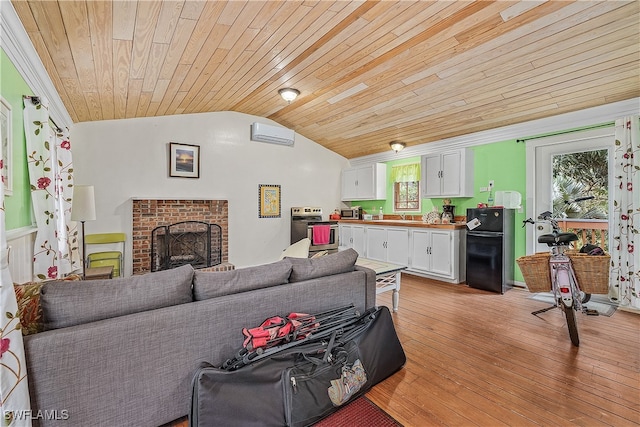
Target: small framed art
268,201
184,160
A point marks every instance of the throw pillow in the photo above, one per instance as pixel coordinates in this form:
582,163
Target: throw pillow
310,268
67,304
29,310
212,284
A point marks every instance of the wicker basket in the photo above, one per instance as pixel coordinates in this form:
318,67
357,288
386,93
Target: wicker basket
535,270
592,272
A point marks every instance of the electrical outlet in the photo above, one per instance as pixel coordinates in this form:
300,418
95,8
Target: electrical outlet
484,189
491,184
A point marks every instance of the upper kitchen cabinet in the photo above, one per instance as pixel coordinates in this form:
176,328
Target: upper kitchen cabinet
365,182
448,174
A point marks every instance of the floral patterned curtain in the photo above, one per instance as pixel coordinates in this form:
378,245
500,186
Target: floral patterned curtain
14,391
625,254
51,177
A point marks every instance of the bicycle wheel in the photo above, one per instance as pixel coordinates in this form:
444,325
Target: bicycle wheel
570,315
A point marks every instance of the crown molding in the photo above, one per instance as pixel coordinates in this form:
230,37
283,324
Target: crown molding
562,122
18,47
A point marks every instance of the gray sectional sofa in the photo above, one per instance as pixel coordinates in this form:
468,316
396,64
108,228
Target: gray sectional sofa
122,352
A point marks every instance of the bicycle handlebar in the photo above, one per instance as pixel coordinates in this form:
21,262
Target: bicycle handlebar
579,199
548,216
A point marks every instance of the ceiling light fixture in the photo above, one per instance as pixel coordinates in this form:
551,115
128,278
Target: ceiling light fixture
397,146
289,94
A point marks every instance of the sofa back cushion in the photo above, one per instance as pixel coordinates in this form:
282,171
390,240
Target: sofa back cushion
212,284
311,268
72,303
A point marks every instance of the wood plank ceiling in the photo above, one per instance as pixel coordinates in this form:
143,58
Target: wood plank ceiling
369,72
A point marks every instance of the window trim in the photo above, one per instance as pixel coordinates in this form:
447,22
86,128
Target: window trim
395,200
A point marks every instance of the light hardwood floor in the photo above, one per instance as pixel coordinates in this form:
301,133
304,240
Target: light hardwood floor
476,358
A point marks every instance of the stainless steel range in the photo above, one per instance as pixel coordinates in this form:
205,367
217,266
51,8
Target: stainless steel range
307,222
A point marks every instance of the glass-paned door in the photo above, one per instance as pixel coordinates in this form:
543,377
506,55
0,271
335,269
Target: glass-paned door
565,167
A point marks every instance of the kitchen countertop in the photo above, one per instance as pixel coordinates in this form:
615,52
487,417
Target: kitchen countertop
405,223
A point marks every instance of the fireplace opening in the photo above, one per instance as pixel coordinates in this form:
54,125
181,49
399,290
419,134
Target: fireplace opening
189,242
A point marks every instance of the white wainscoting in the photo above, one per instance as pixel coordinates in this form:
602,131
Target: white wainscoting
20,243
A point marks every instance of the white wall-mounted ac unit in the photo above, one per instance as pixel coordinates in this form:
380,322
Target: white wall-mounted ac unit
273,134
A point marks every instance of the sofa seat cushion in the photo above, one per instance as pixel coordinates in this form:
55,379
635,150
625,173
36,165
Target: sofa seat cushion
212,284
311,268
66,304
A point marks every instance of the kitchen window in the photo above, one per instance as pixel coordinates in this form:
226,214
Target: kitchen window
406,187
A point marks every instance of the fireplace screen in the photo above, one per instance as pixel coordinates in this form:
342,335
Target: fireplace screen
188,242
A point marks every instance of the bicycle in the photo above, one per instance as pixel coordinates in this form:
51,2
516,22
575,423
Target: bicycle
565,288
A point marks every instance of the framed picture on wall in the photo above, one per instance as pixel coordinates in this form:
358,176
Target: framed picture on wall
184,160
268,201
6,137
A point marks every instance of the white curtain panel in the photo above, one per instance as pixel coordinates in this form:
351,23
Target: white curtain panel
14,392
625,253
51,177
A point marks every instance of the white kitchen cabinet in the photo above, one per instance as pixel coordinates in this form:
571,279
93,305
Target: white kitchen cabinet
352,236
448,174
389,244
438,253
365,182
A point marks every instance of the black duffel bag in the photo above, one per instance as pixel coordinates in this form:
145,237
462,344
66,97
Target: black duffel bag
301,384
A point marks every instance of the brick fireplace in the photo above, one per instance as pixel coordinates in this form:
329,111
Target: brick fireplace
151,213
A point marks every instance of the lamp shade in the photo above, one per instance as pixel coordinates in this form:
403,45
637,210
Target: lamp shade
83,205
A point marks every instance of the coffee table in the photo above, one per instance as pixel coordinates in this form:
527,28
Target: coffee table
387,277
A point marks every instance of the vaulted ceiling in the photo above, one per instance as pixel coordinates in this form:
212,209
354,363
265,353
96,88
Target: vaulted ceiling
369,72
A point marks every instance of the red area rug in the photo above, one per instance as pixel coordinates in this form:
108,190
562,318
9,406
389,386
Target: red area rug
359,413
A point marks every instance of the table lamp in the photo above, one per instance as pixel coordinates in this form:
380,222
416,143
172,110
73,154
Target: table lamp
83,208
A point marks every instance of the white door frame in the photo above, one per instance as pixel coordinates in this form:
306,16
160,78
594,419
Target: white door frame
539,171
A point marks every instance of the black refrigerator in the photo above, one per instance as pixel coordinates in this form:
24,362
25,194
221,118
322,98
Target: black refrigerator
490,249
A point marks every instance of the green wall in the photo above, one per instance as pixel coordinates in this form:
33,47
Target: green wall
12,88
502,162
